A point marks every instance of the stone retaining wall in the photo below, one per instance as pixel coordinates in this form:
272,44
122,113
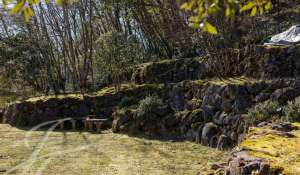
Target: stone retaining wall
31,113
211,112
251,61
170,71
208,112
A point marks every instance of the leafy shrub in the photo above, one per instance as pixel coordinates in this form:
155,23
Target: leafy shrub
292,111
148,105
116,55
127,101
263,111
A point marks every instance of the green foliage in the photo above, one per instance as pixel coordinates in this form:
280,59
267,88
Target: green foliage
116,54
22,6
21,63
204,9
292,111
263,111
6,96
127,101
148,105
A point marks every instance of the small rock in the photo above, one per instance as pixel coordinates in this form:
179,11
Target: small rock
262,124
216,166
226,106
262,97
288,134
296,84
147,143
286,127
284,95
219,118
264,169
251,167
223,142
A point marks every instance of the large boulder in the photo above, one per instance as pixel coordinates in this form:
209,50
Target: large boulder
123,122
224,142
209,135
284,95
261,97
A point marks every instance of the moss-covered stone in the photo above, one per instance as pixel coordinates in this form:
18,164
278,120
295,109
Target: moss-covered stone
170,71
47,108
279,149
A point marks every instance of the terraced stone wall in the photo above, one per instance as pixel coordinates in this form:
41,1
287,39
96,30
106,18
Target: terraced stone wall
209,112
38,110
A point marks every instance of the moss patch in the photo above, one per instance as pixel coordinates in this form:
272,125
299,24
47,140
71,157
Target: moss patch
45,98
131,86
281,151
102,92
241,80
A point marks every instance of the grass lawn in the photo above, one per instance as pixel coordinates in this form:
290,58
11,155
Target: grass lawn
83,153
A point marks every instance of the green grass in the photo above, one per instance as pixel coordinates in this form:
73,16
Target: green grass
105,153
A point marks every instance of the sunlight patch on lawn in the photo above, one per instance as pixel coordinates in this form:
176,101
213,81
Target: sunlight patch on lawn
106,153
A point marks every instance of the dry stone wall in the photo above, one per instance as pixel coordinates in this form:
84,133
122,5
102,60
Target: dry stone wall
31,113
216,116
208,112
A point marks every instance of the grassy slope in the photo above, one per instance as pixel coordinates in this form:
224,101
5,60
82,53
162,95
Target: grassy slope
281,151
111,90
106,153
104,91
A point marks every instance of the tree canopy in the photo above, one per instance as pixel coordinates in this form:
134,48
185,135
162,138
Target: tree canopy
70,42
201,10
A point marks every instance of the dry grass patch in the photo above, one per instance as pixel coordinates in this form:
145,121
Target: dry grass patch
71,153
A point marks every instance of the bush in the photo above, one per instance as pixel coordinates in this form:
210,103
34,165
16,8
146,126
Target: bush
127,101
263,111
292,111
148,105
116,55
